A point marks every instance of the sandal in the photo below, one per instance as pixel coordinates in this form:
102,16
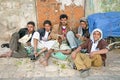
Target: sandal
5,45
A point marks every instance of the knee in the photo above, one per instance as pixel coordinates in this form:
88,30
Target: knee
69,33
99,64
73,56
15,34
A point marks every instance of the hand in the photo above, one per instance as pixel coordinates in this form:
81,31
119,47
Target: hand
73,55
63,37
81,38
28,44
36,54
77,35
91,54
64,32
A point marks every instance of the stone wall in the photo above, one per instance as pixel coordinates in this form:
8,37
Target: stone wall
14,14
70,2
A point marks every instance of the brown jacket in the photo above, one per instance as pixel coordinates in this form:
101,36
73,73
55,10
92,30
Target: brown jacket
101,45
56,30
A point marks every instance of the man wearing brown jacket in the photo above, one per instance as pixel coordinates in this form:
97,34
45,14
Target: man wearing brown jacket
63,29
60,29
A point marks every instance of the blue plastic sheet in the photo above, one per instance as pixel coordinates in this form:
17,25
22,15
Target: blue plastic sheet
108,22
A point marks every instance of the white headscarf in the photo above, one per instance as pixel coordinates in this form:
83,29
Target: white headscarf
99,30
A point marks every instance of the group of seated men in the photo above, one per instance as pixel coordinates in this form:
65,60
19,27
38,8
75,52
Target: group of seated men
85,49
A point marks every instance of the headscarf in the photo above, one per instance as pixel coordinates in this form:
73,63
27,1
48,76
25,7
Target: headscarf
99,30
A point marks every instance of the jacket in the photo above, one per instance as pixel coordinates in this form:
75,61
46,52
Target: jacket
102,44
57,30
42,33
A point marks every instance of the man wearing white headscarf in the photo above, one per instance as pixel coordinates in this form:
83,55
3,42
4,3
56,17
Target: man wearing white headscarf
95,55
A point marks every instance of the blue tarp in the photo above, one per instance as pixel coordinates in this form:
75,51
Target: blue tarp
108,22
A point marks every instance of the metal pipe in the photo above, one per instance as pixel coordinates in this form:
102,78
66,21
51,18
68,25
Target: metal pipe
84,8
36,14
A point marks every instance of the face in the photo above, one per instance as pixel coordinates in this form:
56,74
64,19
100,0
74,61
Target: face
47,27
96,35
83,25
30,28
63,21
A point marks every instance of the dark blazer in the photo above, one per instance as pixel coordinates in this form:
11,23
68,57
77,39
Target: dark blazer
42,33
24,31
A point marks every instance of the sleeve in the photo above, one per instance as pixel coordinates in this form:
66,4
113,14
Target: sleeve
104,45
36,35
54,32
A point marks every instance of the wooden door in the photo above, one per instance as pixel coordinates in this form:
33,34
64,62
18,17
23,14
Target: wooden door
50,9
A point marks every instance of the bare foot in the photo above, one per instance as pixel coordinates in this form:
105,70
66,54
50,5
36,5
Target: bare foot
44,61
7,54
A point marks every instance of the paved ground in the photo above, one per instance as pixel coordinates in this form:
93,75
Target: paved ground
25,69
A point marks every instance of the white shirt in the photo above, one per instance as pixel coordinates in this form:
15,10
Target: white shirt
94,46
46,36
